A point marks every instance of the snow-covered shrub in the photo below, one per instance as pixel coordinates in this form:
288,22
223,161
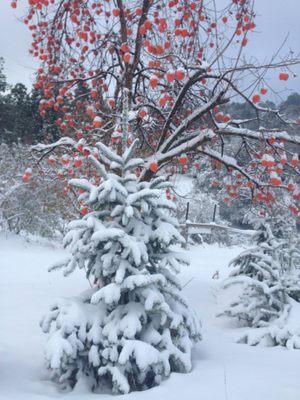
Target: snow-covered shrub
268,279
133,328
36,206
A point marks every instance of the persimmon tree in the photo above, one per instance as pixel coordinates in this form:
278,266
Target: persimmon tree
174,65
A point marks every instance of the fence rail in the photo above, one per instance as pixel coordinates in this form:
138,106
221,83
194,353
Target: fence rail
190,228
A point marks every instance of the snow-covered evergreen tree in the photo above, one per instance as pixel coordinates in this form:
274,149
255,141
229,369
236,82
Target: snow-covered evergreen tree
259,270
267,279
133,328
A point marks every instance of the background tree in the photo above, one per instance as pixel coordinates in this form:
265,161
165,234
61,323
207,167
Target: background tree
3,83
20,119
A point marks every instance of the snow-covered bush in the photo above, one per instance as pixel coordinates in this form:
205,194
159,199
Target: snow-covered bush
267,281
133,328
36,206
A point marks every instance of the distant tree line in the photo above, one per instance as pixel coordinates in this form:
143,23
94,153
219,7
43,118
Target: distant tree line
289,107
20,119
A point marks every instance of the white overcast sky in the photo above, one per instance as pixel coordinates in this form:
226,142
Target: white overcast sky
276,19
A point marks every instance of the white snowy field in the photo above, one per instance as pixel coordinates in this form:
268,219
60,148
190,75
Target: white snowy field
223,370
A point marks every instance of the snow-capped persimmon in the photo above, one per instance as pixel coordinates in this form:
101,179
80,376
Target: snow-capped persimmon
295,161
97,123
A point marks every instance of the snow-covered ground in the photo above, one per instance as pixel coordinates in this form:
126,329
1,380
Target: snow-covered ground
223,370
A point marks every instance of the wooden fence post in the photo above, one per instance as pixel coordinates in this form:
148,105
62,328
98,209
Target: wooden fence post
186,228
215,212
